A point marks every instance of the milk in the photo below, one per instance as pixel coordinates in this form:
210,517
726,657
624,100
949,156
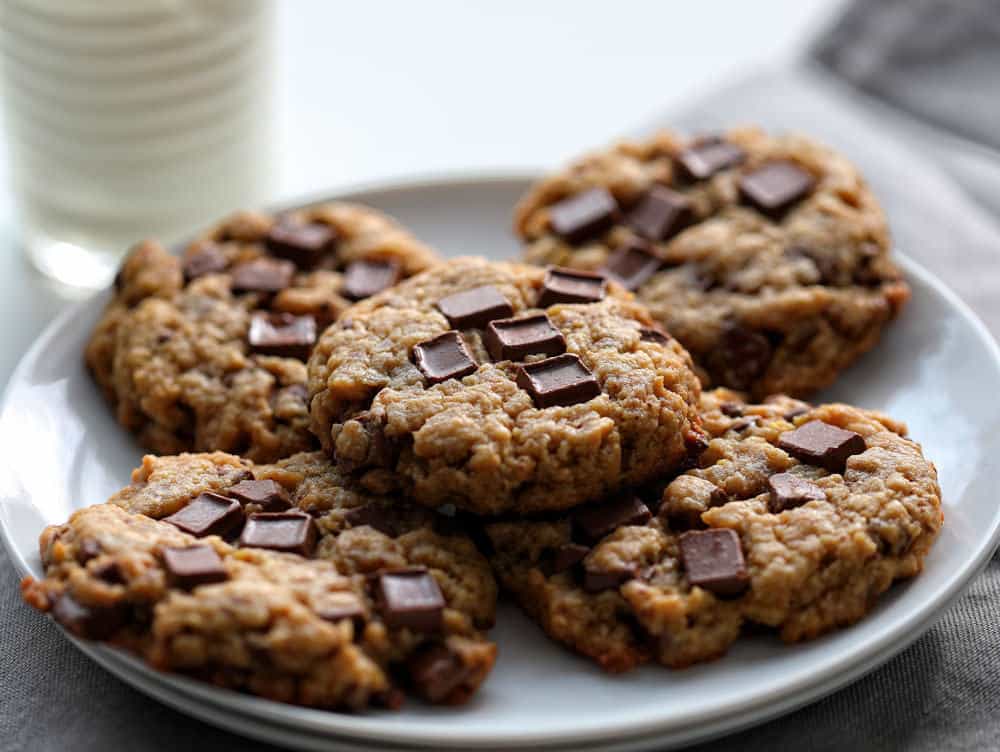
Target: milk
129,119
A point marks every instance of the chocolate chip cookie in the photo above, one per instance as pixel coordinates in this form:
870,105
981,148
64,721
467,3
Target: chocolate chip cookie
281,580
502,388
206,351
766,256
795,518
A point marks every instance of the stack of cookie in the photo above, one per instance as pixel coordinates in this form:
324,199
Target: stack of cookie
611,429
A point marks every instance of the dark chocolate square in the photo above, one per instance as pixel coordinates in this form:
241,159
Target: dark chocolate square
291,532
705,159
436,672
713,560
281,334
269,495
206,259
595,521
821,444
208,514
194,565
789,491
301,243
559,381
475,308
444,357
264,275
514,339
571,286
632,265
410,599
365,278
775,187
660,213
583,216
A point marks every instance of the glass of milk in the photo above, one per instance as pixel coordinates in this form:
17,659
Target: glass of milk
132,119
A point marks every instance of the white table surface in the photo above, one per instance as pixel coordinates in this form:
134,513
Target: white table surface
380,89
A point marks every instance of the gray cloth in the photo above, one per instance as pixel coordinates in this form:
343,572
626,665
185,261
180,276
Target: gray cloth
935,62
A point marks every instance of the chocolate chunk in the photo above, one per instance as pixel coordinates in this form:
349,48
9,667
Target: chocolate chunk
581,217
264,275
444,357
410,599
775,187
567,556
559,381
110,573
714,560
654,334
89,549
89,622
595,582
660,213
193,566
740,357
818,443
632,265
514,339
571,286
704,159
593,522
364,278
788,491
375,516
208,259
303,244
732,409
282,334
208,514
436,672
341,605
292,532
475,308
696,442
269,495
825,263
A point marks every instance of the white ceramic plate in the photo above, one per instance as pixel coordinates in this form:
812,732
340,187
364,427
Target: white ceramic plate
937,368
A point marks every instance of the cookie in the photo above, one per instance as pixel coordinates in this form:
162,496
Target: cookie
796,518
502,388
768,257
207,351
280,580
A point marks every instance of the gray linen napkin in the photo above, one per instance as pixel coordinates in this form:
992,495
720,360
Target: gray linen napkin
935,63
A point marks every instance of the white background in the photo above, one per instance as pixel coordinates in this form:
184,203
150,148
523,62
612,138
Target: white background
371,90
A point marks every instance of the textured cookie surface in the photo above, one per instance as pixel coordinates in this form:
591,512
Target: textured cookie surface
751,534
207,351
379,593
473,384
767,257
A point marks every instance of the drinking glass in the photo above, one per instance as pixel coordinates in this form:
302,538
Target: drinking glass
128,119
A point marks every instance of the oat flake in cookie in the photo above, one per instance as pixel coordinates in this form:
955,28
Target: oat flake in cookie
207,351
294,607
670,574
502,388
767,257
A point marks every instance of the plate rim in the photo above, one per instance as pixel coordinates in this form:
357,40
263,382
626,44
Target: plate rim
737,713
